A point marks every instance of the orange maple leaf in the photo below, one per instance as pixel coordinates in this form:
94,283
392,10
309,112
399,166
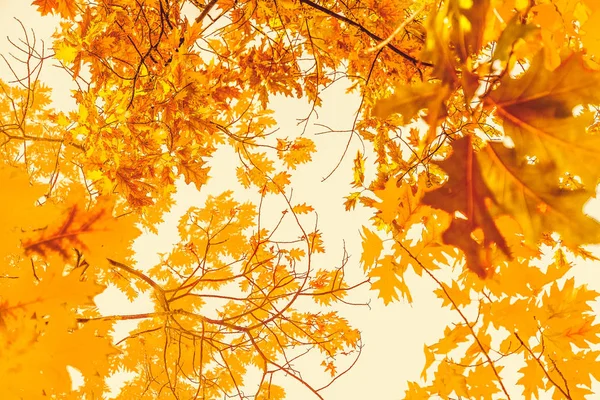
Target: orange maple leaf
45,6
467,193
65,8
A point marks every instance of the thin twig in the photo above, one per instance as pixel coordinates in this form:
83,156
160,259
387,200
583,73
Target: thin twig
396,32
366,31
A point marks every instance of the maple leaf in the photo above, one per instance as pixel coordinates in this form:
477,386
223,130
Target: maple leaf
409,100
18,213
532,195
455,31
591,36
515,30
67,8
466,192
39,333
268,391
45,6
537,114
468,19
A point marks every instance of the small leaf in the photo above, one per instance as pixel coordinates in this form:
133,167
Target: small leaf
351,199
359,170
302,209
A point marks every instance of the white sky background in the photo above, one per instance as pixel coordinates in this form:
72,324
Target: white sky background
394,335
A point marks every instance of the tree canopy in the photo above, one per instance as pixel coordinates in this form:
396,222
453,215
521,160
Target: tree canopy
478,123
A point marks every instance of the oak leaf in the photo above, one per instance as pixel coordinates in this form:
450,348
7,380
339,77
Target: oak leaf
192,167
533,379
302,208
297,152
359,170
388,282
399,201
95,232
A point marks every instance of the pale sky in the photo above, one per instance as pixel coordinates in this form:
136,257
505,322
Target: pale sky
394,335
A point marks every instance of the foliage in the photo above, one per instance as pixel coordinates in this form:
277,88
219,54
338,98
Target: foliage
482,120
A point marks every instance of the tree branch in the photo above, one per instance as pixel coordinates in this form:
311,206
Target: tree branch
373,36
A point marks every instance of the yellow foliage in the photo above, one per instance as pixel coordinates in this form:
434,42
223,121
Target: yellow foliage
488,180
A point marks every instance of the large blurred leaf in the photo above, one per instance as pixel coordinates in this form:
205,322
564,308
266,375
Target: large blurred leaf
466,192
531,194
409,100
537,113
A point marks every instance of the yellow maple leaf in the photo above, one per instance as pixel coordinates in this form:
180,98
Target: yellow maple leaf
65,52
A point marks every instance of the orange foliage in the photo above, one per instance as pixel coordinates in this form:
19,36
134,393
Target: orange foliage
482,124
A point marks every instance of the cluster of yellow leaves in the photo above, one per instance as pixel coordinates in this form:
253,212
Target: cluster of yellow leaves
227,303
510,115
544,328
155,99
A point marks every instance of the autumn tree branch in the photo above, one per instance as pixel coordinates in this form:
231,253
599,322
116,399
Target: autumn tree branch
539,362
373,36
462,315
